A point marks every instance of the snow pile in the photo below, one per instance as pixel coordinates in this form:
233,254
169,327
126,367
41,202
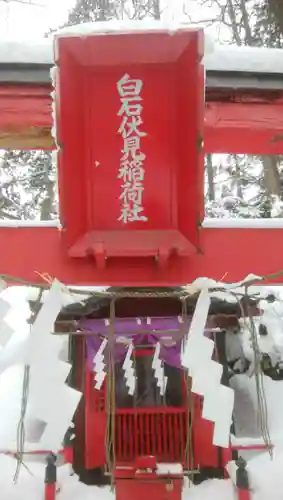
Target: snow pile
266,481
31,483
239,347
217,57
265,476
26,52
246,408
269,332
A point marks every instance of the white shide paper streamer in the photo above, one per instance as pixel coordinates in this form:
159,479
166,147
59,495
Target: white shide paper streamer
51,403
50,399
129,372
158,370
218,401
99,365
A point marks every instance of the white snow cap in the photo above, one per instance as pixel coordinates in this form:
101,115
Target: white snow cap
217,57
114,27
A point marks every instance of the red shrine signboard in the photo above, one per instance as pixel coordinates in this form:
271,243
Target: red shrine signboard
130,129
129,126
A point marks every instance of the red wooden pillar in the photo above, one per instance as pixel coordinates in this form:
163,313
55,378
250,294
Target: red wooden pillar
242,480
50,478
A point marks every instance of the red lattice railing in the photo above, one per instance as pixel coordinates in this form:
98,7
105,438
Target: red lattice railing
161,432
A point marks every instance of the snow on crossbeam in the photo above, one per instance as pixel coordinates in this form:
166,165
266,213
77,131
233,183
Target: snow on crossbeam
207,223
243,223
221,58
249,443
30,223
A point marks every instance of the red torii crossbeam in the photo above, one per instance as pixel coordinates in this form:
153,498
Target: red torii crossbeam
246,126
230,252
169,246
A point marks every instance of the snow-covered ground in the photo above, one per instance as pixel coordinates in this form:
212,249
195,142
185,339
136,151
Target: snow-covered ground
266,481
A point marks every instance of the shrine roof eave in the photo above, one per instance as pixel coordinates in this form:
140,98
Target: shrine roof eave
39,74
99,306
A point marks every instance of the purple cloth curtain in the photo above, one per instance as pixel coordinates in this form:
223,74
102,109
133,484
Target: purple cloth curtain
153,330
169,353
169,331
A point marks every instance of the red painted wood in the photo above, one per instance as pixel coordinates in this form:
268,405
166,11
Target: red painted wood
148,485
240,127
87,124
49,491
95,423
250,128
234,253
24,106
243,494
